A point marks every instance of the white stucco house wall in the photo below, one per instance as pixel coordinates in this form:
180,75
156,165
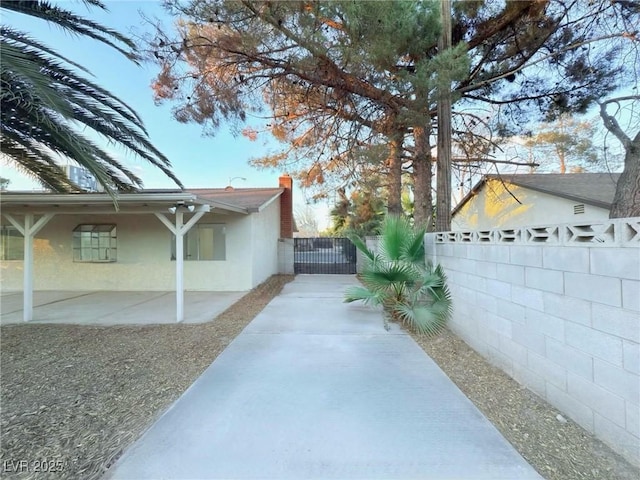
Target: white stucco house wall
231,239
510,201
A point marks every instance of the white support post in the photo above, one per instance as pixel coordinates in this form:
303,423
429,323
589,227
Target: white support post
179,268
179,230
166,222
27,288
28,231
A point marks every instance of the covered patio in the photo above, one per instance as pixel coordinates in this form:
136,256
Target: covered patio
114,308
177,210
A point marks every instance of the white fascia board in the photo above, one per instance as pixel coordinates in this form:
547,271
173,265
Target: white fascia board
56,201
8,198
223,206
268,202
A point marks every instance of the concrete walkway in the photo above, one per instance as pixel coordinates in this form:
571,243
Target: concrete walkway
316,389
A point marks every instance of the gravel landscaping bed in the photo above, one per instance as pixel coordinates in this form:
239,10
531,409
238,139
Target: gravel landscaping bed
77,396
74,397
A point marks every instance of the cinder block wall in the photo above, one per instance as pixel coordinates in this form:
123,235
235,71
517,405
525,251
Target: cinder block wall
560,315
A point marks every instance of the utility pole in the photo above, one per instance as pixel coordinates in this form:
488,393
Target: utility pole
443,163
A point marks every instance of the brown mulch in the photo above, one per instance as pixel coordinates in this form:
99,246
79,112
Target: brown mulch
74,397
557,449
77,396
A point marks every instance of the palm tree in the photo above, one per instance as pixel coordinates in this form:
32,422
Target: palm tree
399,279
44,97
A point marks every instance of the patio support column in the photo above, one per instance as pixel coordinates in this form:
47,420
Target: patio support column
179,267
179,229
28,231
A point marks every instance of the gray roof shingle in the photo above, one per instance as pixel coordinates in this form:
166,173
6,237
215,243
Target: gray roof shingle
253,199
595,189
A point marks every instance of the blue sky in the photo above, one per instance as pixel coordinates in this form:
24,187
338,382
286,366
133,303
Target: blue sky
198,161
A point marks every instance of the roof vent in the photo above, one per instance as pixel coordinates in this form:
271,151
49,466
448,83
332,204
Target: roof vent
577,209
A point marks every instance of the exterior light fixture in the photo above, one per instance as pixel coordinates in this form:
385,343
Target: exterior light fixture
189,208
236,178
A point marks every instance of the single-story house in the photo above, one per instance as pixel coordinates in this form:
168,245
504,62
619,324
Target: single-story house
225,239
506,201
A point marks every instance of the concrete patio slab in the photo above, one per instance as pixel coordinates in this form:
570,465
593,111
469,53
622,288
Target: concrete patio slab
11,302
116,308
332,397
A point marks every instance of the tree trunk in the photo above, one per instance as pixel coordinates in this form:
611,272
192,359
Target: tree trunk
626,201
563,164
422,174
394,184
560,149
443,171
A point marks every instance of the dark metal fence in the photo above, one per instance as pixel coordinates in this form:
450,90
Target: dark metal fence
324,255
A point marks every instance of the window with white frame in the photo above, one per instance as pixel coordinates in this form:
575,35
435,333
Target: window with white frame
95,243
205,241
11,243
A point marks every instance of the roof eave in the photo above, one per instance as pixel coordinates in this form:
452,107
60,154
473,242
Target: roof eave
8,199
480,184
568,196
474,190
90,198
270,201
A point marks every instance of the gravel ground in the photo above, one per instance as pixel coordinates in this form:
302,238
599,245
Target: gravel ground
74,397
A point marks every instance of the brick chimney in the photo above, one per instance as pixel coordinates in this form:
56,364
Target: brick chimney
286,206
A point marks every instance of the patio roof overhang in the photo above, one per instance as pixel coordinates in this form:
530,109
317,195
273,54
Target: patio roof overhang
36,209
126,203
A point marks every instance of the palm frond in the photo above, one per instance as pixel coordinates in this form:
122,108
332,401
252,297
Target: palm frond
49,133
38,165
44,98
74,24
412,250
38,64
386,274
441,290
362,246
423,319
394,233
23,77
353,294
14,36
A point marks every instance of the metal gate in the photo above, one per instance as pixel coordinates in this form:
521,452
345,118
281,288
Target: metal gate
324,255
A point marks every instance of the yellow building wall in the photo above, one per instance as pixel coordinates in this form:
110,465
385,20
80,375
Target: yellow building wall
494,206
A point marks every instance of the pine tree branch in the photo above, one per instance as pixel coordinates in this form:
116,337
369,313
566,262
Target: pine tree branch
612,124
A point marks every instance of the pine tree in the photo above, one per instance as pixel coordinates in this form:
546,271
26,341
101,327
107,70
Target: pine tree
336,75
